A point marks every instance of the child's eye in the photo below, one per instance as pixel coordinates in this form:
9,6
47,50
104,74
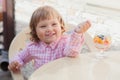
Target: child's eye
42,26
54,24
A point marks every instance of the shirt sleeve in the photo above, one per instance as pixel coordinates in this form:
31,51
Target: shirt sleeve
74,44
22,57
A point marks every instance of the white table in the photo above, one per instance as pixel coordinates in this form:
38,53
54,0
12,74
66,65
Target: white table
84,67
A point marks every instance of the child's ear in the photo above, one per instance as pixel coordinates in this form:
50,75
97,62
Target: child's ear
63,29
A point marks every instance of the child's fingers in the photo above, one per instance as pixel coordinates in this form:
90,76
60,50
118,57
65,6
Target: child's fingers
86,25
14,66
17,65
83,27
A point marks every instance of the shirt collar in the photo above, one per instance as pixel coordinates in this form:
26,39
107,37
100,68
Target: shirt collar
51,45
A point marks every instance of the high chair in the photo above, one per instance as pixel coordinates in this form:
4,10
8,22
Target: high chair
19,42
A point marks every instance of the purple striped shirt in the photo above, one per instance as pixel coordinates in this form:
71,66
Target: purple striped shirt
41,53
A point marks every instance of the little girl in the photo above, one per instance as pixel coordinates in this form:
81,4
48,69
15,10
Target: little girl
48,42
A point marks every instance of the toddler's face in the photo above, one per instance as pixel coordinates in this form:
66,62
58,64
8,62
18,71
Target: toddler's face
49,30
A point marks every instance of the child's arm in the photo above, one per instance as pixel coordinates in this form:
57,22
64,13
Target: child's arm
77,39
19,60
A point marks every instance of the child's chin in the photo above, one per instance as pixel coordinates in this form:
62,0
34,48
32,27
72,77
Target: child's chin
51,41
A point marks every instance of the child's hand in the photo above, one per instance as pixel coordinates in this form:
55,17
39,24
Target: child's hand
14,66
83,27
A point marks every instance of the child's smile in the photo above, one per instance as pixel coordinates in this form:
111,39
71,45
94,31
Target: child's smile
50,34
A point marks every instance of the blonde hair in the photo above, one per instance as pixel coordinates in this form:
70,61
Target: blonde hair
43,13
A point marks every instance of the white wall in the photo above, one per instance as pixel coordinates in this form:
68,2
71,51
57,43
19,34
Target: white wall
113,4
109,8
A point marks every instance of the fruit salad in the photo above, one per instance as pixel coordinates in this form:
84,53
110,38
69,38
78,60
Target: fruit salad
101,39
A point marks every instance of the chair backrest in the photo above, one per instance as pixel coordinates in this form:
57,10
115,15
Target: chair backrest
19,42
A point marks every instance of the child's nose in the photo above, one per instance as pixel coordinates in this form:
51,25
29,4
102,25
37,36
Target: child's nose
49,28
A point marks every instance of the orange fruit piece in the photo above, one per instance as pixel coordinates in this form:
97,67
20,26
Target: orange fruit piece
98,40
106,41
